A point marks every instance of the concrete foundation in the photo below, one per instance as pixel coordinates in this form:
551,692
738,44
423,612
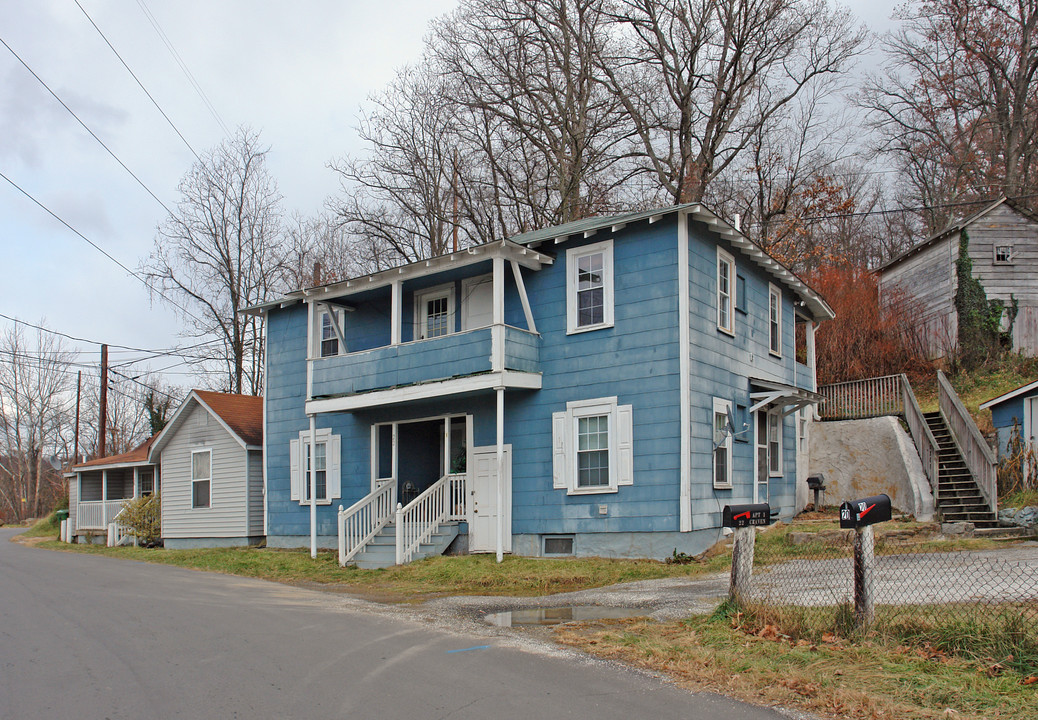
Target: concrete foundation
860,458
293,542
654,546
197,543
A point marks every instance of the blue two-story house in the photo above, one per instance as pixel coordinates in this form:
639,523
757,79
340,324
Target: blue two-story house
603,387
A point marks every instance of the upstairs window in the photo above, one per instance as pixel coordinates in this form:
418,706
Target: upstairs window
329,340
725,278
589,287
325,341
774,320
1003,254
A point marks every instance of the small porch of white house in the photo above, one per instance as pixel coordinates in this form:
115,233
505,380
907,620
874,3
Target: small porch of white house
101,493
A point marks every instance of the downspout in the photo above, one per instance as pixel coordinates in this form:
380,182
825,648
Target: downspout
498,365
310,484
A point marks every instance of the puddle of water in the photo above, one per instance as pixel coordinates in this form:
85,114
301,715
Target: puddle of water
557,615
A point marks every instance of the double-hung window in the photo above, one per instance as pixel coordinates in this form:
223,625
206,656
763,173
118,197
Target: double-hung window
592,446
316,471
775,442
201,478
774,320
722,444
326,339
725,287
589,287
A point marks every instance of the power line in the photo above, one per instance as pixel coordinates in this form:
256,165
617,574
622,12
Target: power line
183,66
173,351
920,208
134,76
85,127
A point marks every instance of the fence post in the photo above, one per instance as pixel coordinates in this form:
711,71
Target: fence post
111,535
742,563
342,538
399,534
864,563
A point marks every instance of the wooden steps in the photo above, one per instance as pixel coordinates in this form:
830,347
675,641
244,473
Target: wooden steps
958,497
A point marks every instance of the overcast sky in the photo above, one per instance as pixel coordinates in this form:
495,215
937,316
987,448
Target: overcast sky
298,72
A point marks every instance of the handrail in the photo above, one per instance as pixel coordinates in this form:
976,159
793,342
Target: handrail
458,509
422,517
974,448
922,436
363,520
857,399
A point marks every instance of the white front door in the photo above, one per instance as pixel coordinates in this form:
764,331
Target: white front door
483,500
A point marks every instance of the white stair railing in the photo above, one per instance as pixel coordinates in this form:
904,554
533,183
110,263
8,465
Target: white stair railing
422,517
363,520
459,496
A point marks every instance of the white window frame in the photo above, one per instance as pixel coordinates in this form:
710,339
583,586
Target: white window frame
298,454
565,434
994,254
573,257
774,320
308,478
721,408
723,297
319,317
421,309
775,459
194,480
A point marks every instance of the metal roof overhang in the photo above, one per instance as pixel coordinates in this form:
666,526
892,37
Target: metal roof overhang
764,393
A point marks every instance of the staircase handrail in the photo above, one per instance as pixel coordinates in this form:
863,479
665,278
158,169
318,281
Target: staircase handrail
363,520
422,517
922,436
974,448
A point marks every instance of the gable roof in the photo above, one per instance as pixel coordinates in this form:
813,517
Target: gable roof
1022,390
589,226
137,456
240,415
955,228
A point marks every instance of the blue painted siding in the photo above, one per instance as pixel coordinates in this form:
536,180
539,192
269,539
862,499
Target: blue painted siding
636,360
1007,414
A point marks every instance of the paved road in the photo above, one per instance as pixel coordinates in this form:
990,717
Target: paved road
93,637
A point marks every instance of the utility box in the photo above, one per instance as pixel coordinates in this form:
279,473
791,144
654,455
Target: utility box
865,512
738,516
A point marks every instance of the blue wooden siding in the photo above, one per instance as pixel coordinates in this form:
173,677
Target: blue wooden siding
1007,414
637,360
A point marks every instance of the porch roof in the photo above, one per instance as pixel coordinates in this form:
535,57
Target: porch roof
135,457
768,392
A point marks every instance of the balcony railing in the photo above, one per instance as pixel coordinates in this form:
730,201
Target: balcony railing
96,514
441,358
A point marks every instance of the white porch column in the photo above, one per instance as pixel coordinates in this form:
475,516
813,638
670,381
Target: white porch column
104,498
809,337
500,473
136,482
497,358
309,484
396,312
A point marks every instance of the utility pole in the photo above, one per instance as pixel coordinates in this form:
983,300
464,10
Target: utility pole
103,412
75,442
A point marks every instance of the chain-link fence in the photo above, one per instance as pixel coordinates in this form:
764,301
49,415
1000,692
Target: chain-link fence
978,603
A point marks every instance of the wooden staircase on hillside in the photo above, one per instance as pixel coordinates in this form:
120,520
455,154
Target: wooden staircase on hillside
958,497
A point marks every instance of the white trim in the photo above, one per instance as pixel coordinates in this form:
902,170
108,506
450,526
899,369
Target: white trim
777,416
1009,395
396,307
775,295
173,425
684,379
338,316
521,287
263,451
565,433
321,436
723,407
421,306
425,391
573,256
208,451
723,254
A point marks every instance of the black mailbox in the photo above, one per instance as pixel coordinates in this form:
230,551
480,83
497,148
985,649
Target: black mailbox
737,516
867,511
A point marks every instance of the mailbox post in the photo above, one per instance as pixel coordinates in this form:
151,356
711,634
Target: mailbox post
861,515
743,519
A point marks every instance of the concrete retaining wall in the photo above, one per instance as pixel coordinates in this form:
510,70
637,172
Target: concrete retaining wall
867,457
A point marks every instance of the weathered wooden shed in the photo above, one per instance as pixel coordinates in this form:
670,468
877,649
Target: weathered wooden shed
1003,245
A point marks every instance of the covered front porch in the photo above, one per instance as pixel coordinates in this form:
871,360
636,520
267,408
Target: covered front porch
101,493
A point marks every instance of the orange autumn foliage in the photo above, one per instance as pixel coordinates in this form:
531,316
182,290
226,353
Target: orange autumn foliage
864,340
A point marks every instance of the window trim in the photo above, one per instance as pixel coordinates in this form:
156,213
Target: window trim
573,256
724,255
320,315
774,323
775,460
421,306
307,480
994,254
209,480
299,464
721,407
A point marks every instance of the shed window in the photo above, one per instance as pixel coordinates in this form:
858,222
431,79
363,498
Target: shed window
1003,254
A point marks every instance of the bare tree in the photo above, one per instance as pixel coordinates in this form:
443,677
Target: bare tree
322,239
958,104
700,79
220,253
35,401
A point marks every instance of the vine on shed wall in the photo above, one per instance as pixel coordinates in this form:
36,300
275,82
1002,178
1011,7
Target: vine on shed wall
980,320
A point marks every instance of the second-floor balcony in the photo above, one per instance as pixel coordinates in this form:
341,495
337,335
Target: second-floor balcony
457,355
